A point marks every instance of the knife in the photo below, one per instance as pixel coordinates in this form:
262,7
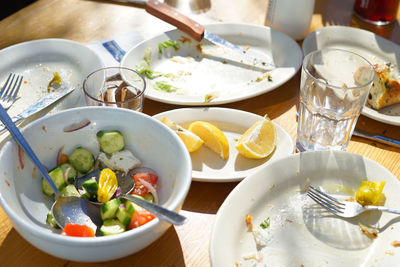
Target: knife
38,106
377,138
198,32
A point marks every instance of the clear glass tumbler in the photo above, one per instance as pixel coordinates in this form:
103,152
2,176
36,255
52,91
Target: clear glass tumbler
333,90
115,87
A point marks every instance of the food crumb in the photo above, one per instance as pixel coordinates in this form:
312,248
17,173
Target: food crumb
44,129
389,252
369,232
395,243
254,256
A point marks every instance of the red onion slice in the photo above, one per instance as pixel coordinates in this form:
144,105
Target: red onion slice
76,126
59,153
140,170
66,175
21,157
151,189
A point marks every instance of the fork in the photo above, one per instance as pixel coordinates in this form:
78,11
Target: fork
10,90
346,209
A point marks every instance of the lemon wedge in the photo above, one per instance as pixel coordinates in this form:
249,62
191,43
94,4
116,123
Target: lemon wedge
213,137
191,141
259,141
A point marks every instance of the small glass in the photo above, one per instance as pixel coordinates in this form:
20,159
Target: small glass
116,87
333,90
378,12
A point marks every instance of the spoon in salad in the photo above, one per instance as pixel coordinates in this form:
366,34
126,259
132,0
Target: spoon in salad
126,185
65,209
75,209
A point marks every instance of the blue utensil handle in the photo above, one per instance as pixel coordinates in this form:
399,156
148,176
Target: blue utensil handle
376,137
16,120
19,138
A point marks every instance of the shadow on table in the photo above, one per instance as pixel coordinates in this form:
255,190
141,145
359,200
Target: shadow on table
207,197
14,247
14,251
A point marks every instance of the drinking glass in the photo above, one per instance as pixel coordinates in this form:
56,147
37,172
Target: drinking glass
116,87
333,90
378,12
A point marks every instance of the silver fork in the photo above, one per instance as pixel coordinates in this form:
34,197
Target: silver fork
10,89
340,208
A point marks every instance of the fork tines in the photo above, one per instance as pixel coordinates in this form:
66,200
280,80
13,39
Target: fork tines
328,202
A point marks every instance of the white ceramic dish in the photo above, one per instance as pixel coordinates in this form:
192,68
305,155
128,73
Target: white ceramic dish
208,72
369,45
207,166
37,60
26,205
301,232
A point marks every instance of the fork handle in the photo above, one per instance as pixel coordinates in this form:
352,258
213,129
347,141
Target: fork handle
381,208
16,120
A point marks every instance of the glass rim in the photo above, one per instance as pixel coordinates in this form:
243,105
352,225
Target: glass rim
318,81
112,102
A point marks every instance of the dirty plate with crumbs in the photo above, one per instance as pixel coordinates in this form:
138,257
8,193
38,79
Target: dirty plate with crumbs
268,219
58,62
192,73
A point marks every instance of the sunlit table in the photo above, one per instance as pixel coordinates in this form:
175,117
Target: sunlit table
87,21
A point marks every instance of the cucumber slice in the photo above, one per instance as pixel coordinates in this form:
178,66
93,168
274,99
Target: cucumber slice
108,209
58,178
69,191
110,141
50,220
112,227
124,215
69,171
131,207
149,197
82,160
90,186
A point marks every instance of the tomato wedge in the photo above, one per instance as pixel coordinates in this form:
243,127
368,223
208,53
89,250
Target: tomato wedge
79,230
141,189
141,217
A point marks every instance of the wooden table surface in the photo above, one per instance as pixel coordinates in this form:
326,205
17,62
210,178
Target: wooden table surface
86,21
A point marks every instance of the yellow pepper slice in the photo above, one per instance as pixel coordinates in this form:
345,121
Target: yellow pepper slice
370,193
108,184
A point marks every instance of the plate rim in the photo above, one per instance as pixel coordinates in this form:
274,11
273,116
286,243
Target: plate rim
366,111
229,111
228,25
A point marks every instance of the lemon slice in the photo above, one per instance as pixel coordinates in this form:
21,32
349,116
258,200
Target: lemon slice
213,137
191,141
259,141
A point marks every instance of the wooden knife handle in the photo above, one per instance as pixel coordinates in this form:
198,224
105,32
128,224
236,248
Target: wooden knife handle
173,17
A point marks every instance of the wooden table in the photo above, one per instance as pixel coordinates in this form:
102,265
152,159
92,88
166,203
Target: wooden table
86,21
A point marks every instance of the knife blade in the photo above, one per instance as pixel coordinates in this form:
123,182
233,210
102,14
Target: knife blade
198,32
38,106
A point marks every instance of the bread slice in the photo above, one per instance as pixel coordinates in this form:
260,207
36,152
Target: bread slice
385,90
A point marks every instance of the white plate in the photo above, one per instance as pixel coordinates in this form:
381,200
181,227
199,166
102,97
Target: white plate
209,72
369,45
207,166
37,60
301,232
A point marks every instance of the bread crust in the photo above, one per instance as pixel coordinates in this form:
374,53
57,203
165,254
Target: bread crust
385,90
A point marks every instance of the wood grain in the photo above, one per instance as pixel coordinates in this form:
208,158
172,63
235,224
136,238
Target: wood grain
86,21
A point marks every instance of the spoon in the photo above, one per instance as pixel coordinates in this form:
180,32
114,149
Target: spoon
126,185
65,209
75,209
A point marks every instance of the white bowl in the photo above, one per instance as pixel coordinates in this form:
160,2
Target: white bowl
20,189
